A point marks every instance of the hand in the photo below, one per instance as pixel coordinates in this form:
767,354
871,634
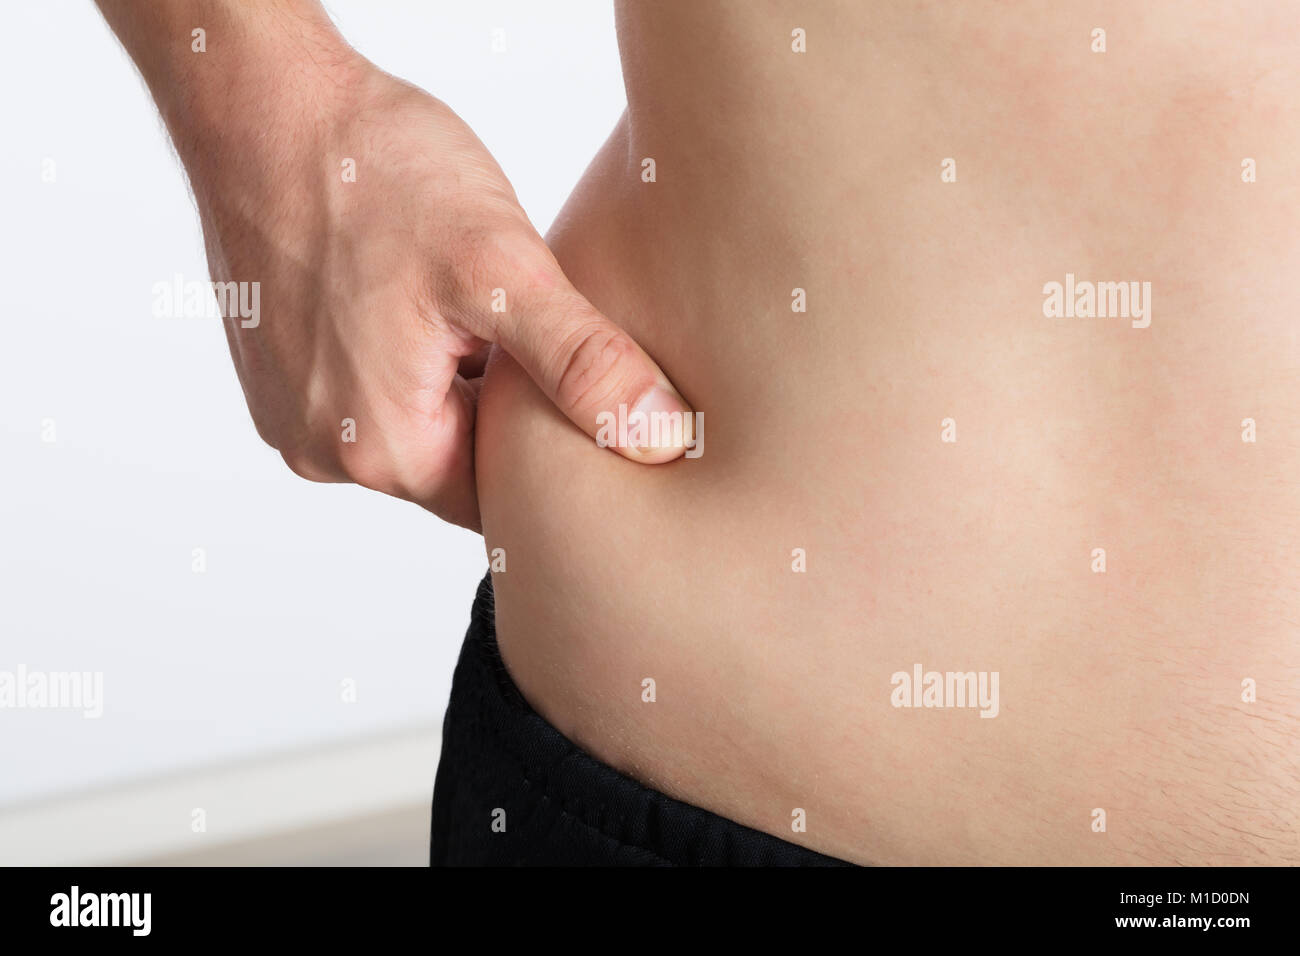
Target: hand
380,297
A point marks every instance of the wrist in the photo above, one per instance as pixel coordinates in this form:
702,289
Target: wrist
262,77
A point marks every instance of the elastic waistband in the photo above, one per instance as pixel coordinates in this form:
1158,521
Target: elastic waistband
511,789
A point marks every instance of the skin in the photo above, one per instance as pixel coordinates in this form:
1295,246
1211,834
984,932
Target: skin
775,170
379,294
1119,691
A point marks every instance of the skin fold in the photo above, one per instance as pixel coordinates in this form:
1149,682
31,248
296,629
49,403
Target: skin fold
1120,691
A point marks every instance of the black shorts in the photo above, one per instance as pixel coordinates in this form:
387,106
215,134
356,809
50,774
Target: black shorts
512,790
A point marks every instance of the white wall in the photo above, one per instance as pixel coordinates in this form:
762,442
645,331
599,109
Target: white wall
155,454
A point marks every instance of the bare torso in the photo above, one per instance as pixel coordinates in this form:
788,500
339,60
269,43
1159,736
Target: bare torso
825,431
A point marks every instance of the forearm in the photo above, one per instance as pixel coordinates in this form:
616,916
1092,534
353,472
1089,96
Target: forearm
258,61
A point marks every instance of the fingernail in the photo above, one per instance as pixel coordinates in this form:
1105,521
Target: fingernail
670,422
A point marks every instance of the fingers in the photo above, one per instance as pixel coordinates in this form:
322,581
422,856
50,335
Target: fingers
589,367
394,411
425,457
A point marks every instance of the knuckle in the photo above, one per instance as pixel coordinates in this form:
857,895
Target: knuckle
593,360
310,454
485,260
373,470
303,464
266,432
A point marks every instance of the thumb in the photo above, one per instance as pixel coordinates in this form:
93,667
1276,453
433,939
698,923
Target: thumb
592,370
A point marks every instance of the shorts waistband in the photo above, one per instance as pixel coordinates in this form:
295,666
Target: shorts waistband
512,790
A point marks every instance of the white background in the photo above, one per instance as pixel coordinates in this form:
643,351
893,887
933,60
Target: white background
306,585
